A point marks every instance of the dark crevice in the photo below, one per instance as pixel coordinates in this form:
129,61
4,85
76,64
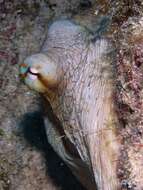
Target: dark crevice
34,132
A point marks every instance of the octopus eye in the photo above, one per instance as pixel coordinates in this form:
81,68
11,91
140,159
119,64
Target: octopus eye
32,71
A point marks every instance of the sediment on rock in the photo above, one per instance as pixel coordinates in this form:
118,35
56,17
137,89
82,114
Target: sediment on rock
129,98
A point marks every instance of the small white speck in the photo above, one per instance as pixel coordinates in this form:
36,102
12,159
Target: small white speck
33,70
32,77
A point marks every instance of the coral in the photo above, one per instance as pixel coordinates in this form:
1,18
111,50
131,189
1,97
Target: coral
130,106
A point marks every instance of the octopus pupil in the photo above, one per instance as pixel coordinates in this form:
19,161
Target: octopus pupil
29,71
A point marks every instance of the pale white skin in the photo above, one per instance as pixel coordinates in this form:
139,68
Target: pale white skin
82,73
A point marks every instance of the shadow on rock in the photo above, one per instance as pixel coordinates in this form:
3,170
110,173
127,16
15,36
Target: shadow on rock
34,132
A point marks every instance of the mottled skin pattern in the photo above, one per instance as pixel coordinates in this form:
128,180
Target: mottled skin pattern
81,98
